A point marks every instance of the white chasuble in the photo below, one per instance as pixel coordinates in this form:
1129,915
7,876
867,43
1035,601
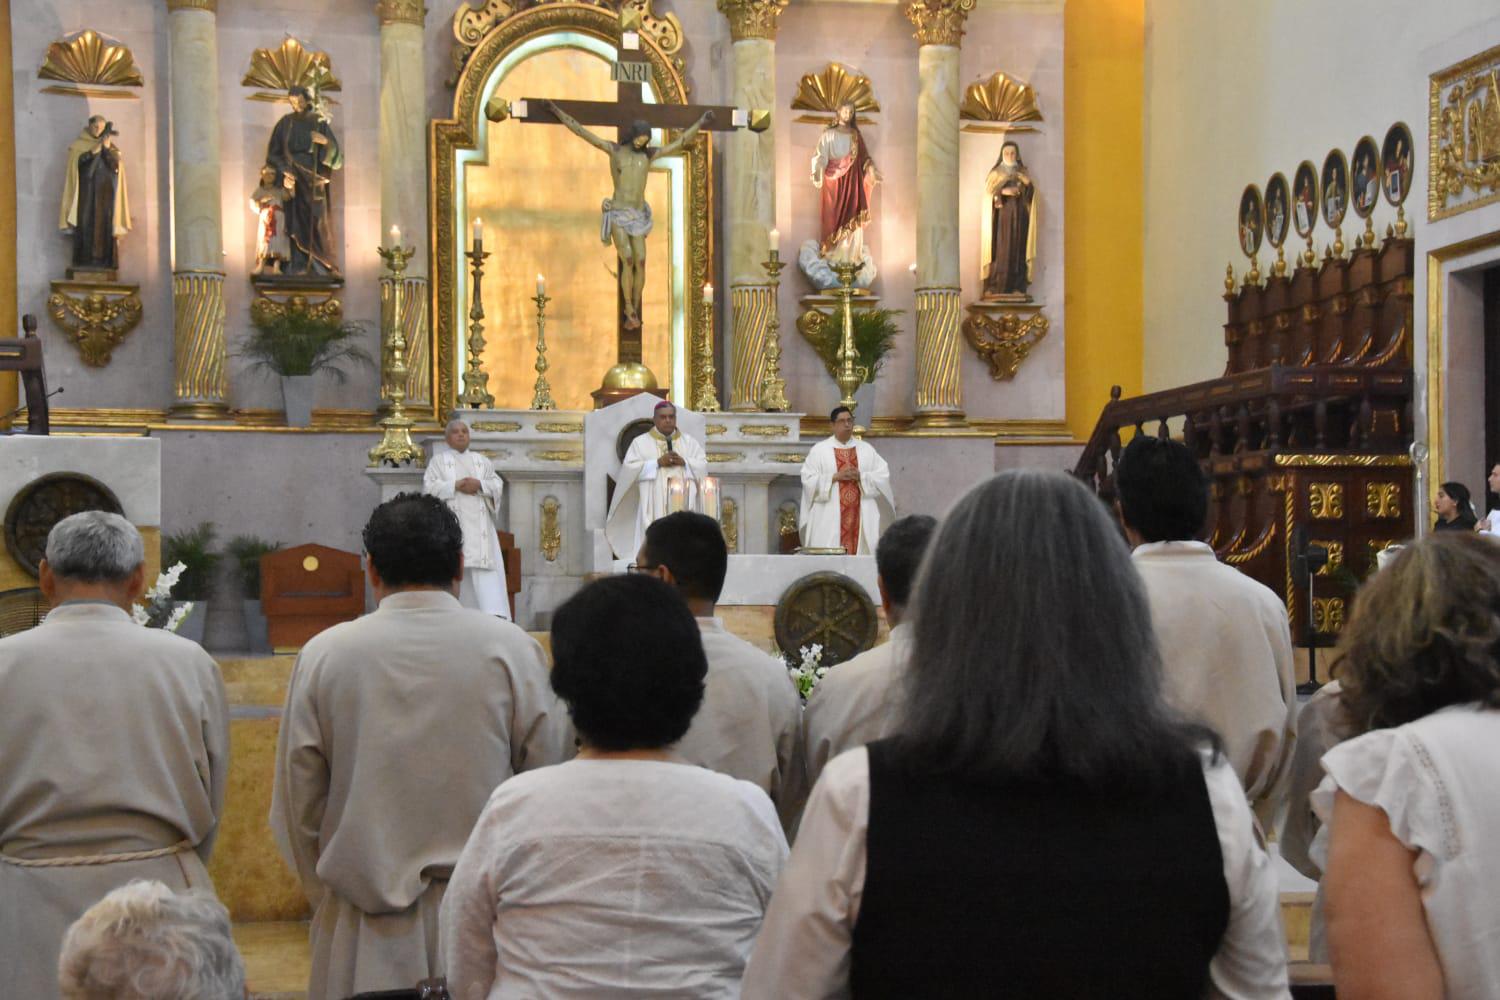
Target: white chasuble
646,490
820,517
484,566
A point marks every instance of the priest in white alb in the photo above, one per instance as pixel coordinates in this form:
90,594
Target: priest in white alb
466,481
846,489
663,471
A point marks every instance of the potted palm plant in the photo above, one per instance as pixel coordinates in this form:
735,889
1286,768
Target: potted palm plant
246,551
297,346
194,550
875,333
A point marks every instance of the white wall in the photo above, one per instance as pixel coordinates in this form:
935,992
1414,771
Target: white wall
1236,91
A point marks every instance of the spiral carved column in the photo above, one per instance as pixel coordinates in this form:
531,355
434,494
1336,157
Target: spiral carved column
751,307
201,383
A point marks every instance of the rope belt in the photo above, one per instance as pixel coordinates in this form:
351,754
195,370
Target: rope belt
84,860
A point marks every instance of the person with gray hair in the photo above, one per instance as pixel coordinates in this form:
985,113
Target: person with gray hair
145,942
114,746
466,481
856,702
1042,821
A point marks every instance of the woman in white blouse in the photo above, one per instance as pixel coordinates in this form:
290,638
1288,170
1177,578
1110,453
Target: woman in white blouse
1411,845
1042,825
625,872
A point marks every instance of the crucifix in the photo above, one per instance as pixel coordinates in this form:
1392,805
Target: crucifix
626,215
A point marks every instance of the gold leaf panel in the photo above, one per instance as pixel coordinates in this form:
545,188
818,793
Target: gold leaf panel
87,57
290,65
1000,99
1383,500
1325,501
831,86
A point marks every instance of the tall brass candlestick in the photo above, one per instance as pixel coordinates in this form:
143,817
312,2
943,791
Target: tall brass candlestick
772,386
850,375
396,446
476,394
541,396
705,397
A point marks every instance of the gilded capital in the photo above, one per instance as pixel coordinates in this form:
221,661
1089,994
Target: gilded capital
939,22
212,6
401,11
752,18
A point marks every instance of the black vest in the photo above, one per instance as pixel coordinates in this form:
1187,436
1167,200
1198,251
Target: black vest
1035,890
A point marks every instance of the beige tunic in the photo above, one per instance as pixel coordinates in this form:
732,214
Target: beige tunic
750,723
854,703
1226,652
397,728
113,738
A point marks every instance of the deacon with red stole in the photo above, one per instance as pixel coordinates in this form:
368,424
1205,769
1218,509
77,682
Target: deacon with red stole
845,484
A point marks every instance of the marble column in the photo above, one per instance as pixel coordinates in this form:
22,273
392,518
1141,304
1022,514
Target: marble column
750,194
200,386
939,388
403,174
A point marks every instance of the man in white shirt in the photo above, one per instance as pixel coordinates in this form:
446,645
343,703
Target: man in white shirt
114,747
1226,645
845,485
750,721
466,481
661,472
856,701
397,728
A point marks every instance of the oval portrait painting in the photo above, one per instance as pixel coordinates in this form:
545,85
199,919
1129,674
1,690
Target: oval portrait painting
1278,200
1335,188
1395,163
1252,221
1366,191
1305,198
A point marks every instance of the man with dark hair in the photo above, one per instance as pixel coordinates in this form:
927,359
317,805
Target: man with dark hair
660,465
750,720
397,728
845,485
854,703
1226,645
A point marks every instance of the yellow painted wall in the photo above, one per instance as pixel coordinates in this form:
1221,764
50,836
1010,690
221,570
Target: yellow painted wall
1104,47
9,322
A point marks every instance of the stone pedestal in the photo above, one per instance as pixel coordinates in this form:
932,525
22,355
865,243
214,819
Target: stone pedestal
201,384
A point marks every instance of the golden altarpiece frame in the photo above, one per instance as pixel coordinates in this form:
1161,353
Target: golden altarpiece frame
584,40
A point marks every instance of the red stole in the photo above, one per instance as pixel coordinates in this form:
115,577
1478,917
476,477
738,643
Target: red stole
849,497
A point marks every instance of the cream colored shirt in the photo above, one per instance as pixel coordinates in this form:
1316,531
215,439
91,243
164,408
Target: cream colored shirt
750,723
855,703
1226,650
611,878
804,946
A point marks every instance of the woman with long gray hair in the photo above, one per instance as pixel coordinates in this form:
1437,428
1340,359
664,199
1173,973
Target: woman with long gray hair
1041,825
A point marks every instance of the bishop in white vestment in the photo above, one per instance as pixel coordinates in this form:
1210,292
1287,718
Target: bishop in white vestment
660,474
466,481
845,487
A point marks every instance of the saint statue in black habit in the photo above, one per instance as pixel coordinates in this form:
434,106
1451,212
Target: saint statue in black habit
305,154
1013,226
95,210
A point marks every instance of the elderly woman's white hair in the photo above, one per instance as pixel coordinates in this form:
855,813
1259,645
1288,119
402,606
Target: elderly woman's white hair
145,942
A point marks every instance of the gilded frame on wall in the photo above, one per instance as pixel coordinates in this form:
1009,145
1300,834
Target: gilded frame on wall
463,131
1463,136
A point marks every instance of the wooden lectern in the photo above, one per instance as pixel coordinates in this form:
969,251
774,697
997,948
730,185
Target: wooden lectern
24,355
306,589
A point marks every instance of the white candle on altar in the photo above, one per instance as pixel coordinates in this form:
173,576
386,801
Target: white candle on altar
478,232
541,285
775,237
708,293
676,495
395,236
711,497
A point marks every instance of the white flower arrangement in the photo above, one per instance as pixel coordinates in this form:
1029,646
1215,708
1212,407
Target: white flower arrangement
160,611
806,673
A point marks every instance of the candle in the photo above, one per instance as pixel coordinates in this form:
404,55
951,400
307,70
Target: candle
395,236
541,285
775,236
708,293
478,232
711,497
676,495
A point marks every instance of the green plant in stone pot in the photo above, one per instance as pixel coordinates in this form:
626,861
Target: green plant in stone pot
875,333
246,551
297,346
194,549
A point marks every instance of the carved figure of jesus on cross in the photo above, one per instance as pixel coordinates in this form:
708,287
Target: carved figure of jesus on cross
626,216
